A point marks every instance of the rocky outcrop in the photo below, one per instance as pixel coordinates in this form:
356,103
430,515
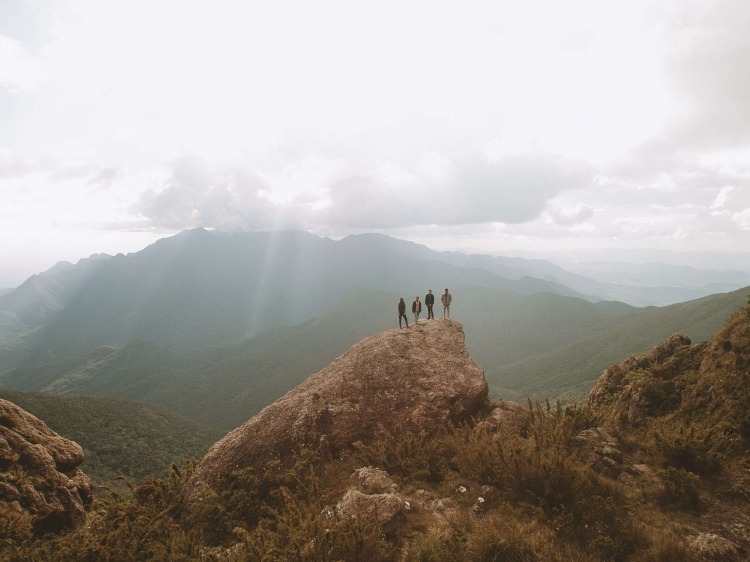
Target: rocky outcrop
646,385
680,379
507,417
39,474
373,481
389,510
416,378
600,450
709,546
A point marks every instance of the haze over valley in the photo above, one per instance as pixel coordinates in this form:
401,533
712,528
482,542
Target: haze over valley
216,325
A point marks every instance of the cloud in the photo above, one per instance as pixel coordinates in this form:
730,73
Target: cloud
470,190
19,70
320,193
197,195
708,68
570,216
733,204
103,178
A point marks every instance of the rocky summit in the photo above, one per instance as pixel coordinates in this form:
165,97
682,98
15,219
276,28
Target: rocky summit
39,476
421,377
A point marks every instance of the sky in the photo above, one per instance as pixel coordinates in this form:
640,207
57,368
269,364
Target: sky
585,127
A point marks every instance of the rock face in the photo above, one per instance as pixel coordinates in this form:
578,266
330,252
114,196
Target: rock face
39,474
643,386
507,417
600,450
421,377
373,481
388,509
680,379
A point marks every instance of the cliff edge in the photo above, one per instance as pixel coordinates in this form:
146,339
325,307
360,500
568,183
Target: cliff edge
421,377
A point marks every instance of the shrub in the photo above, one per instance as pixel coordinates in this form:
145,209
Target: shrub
140,527
438,543
687,446
414,454
543,470
679,488
667,548
306,529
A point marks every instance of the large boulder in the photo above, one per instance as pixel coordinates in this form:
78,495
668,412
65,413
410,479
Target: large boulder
39,474
418,378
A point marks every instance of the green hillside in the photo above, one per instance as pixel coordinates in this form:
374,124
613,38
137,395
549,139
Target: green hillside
119,437
569,370
588,483
541,345
202,288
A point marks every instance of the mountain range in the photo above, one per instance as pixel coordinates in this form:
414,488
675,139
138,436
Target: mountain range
216,325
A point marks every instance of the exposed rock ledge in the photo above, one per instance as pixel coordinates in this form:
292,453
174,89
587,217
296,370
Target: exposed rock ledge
420,377
39,474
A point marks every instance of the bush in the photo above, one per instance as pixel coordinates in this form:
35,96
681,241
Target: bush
679,488
437,544
305,529
140,527
668,548
543,470
689,447
417,455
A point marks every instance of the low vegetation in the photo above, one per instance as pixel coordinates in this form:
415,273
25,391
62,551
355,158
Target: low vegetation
474,493
539,501
121,439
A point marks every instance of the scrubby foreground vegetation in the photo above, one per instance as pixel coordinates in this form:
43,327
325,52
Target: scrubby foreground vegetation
655,467
120,438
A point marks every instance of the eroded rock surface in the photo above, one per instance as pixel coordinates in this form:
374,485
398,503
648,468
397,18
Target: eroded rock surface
507,417
39,474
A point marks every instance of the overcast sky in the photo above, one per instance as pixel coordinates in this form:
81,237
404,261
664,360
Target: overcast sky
500,126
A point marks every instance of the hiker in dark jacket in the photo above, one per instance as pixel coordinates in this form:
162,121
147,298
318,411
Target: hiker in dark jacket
402,312
416,308
429,300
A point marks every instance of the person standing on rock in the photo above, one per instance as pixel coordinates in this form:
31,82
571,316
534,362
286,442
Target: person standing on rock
416,308
446,299
402,312
429,300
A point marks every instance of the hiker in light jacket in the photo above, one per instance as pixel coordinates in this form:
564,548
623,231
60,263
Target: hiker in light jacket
446,299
